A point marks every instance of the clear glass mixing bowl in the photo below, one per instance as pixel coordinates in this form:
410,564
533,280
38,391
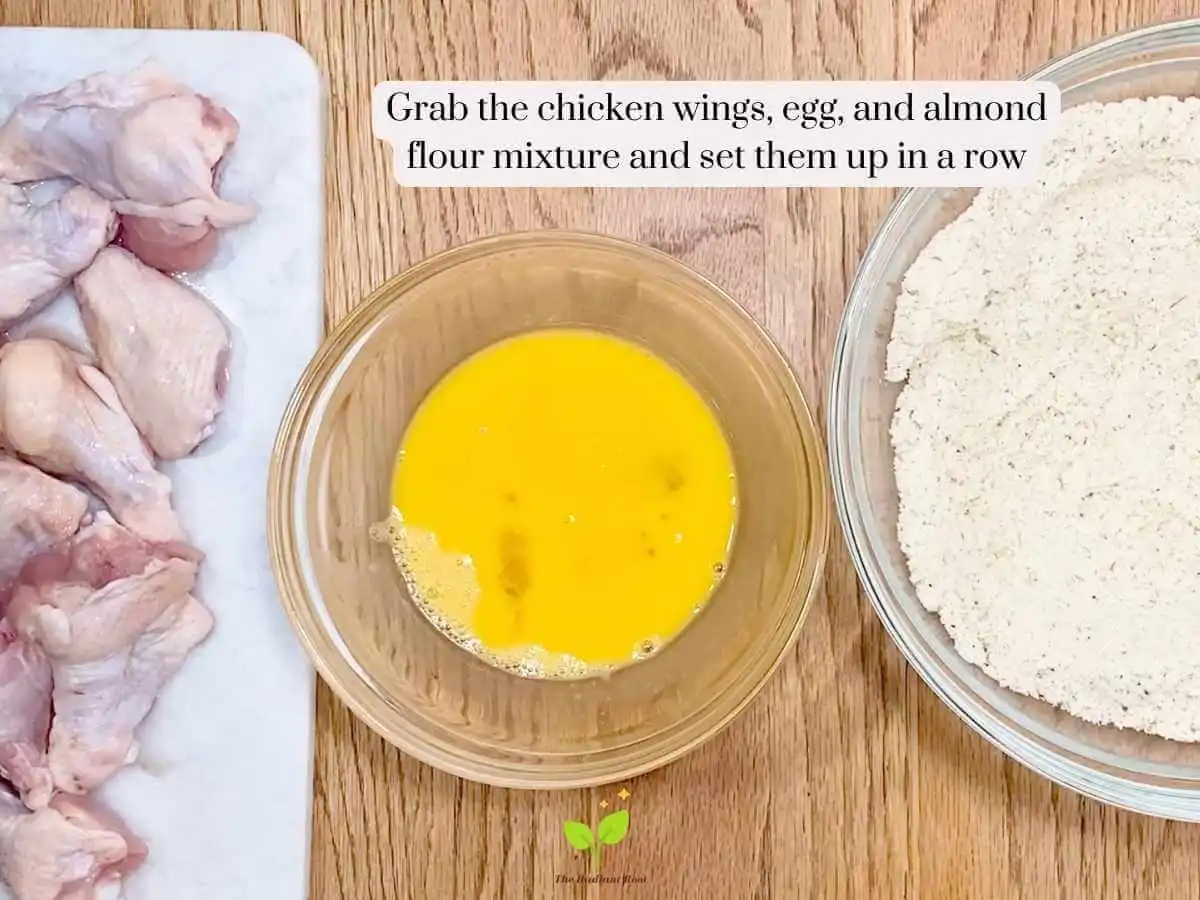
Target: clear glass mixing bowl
331,478
1121,767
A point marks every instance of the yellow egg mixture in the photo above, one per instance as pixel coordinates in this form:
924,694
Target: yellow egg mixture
564,501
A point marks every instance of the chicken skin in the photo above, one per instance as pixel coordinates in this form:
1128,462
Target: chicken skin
25,686
163,346
36,512
42,247
66,851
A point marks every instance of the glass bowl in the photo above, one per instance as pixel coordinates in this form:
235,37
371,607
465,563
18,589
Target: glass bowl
330,483
1118,766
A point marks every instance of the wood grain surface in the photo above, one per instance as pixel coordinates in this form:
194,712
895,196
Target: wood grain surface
846,777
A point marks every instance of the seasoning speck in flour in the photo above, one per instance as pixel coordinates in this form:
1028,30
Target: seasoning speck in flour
1047,441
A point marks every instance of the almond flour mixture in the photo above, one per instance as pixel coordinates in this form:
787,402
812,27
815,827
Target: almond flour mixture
1047,442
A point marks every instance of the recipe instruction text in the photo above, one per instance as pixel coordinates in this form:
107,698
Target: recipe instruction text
715,134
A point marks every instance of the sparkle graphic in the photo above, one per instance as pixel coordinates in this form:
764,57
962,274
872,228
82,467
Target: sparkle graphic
604,804
623,793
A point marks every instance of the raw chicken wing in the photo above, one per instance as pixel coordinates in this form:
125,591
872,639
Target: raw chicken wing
43,247
143,140
66,851
63,415
164,347
114,615
24,718
36,511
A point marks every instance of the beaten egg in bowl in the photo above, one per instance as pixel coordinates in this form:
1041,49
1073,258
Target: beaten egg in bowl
563,503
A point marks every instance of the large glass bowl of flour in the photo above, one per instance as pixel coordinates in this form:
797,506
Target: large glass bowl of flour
1123,766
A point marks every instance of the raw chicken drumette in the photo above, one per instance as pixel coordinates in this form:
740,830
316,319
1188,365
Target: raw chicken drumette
62,414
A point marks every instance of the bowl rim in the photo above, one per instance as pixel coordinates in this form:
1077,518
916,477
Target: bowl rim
341,672
1057,763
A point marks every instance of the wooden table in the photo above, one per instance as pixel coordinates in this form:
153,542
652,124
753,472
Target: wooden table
847,777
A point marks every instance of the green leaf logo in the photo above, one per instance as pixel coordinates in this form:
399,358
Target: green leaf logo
611,830
613,827
579,835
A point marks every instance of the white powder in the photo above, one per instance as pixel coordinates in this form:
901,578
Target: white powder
1047,442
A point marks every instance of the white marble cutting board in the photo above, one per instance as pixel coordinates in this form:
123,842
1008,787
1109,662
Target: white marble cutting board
222,791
